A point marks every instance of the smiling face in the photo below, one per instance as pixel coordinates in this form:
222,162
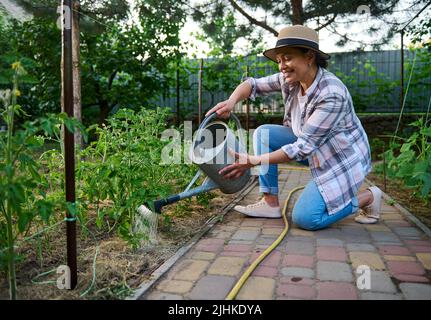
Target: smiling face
294,63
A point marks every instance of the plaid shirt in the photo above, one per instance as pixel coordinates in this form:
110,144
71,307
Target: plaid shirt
332,139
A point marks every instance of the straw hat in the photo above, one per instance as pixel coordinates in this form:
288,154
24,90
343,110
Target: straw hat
296,36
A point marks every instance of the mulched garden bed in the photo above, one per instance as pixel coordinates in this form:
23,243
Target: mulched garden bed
117,269
404,196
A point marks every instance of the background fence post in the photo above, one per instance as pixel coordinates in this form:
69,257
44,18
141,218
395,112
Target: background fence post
201,65
177,79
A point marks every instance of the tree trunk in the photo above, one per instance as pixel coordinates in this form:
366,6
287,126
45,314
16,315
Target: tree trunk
77,108
297,12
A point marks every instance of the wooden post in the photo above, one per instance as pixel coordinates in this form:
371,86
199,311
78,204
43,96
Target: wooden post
247,121
384,168
178,93
247,105
200,92
69,143
402,71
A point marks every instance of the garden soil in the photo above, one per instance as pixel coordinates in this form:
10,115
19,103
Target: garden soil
117,269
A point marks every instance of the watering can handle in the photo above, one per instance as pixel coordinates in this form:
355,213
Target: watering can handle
213,116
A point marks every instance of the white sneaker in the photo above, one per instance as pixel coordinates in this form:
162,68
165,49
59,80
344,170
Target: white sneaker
371,213
260,209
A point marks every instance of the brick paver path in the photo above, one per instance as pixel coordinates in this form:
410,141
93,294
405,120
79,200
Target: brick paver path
325,264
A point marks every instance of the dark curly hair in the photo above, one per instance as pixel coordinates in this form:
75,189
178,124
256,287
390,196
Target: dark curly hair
320,61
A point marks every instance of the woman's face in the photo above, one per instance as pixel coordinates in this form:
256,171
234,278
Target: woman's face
294,64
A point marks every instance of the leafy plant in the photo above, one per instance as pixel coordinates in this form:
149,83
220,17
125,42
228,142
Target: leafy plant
409,159
124,169
23,189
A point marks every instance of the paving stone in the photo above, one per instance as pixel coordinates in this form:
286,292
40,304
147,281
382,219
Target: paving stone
297,272
212,287
266,242
240,242
329,233
384,236
334,271
273,223
407,231
175,286
208,247
304,233
201,255
397,223
238,247
272,231
331,254
358,230
298,261
290,238
405,267
191,270
425,258
360,247
386,215
358,239
418,242
416,291
377,227
390,210
211,241
410,278
420,249
394,250
381,282
369,259
265,271
336,291
302,248
296,280
249,222
257,288
234,254
271,260
223,235
229,266
330,242
248,235
296,291
157,295
380,296
398,258
390,243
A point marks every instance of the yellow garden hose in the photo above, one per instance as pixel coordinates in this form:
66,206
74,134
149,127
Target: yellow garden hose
232,294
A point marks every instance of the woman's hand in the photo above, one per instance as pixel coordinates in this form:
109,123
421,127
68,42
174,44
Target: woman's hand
223,109
243,162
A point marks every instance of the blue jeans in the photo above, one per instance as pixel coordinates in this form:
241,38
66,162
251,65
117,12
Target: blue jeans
310,211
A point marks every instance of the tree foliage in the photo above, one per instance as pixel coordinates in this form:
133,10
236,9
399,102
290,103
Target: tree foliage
257,19
122,66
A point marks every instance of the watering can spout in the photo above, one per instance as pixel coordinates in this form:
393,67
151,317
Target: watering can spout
210,152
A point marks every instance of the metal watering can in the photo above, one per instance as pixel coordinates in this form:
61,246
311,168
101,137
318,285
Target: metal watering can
210,152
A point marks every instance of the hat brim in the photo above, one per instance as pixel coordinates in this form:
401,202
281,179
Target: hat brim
272,53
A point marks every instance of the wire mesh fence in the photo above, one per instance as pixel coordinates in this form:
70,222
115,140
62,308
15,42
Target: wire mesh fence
372,78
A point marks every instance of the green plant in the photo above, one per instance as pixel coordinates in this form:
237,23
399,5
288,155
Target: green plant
123,168
409,159
23,189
